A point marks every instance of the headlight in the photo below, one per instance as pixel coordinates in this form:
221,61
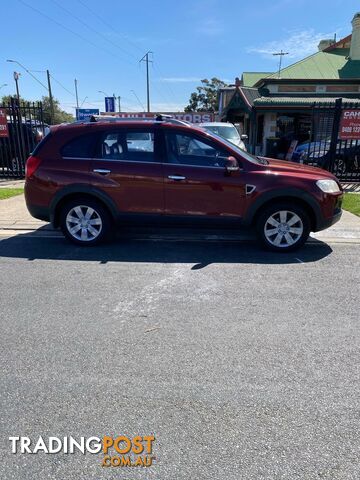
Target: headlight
328,186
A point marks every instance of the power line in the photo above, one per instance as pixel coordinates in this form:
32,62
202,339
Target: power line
62,86
66,28
170,90
94,30
109,26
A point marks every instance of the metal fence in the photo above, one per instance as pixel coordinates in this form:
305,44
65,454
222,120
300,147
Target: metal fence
23,129
326,149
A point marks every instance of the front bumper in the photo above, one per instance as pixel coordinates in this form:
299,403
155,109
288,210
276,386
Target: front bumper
324,223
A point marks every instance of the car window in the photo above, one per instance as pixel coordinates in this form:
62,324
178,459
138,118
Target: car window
127,145
186,149
80,147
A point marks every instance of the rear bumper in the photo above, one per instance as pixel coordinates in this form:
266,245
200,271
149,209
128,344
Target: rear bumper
39,212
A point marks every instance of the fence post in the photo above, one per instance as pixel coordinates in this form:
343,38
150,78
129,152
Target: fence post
335,133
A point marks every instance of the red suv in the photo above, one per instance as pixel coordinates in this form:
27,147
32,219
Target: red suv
88,177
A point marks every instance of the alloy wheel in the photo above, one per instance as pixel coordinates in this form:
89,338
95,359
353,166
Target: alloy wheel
84,223
283,229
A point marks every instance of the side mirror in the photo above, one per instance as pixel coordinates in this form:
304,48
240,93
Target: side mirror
244,136
231,165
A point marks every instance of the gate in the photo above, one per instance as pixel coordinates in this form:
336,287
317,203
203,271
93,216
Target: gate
22,127
330,148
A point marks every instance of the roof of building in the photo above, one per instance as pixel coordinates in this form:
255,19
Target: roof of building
250,78
332,64
299,101
250,94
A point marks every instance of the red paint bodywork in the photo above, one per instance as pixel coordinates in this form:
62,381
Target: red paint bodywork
144,187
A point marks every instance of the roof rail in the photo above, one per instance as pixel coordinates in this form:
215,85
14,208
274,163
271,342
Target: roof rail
157,118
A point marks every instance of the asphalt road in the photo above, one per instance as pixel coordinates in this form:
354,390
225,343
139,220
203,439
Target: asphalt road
243,364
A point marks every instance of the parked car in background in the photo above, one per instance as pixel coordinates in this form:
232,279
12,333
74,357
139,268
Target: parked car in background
227,131
77,182
302,149
21,141
345,159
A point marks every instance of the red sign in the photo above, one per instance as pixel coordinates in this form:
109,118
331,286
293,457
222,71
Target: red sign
193,117
4,131
350,124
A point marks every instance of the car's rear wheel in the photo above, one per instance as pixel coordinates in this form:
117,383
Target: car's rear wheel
85,221
283,227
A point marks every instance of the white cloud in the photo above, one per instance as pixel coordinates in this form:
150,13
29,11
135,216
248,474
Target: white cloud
298,44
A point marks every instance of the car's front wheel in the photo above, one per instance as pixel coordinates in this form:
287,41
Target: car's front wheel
85,221
283,227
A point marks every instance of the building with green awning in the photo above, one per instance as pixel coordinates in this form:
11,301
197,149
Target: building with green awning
277,107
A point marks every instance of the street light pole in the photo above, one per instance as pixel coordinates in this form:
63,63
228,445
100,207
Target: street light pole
16,78
28,71
119,98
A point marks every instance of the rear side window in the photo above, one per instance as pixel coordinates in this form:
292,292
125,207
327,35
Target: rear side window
80,147
132,145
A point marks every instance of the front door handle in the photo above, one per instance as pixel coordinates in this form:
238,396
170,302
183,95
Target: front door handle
102,171
176,177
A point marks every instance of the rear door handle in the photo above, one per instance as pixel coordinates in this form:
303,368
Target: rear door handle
102,171
176,177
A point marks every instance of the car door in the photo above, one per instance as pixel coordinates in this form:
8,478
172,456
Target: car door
127,166
196,182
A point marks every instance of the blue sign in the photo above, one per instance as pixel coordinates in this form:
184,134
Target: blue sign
84,113
109,104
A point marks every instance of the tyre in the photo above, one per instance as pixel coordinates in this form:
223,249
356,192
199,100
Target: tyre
283,227
85,221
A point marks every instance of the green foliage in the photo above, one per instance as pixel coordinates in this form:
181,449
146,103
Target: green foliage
352,203
60,116
206,97
10,192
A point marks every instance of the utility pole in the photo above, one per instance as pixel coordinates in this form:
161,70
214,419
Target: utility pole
145,59
16,78
119,103
52,113
76,93
280,54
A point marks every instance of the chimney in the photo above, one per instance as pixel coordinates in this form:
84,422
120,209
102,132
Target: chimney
355,38
327,42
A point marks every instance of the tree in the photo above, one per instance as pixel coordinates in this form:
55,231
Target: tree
6,99
60,116
206,98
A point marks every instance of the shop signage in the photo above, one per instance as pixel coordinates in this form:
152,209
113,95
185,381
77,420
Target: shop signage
350,124
193,117
110,104
4,131
85,113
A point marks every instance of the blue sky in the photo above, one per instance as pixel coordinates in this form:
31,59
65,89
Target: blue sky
100,43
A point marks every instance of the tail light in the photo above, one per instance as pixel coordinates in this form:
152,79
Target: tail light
32,163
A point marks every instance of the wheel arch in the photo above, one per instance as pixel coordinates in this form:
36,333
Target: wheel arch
73,191
297,197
